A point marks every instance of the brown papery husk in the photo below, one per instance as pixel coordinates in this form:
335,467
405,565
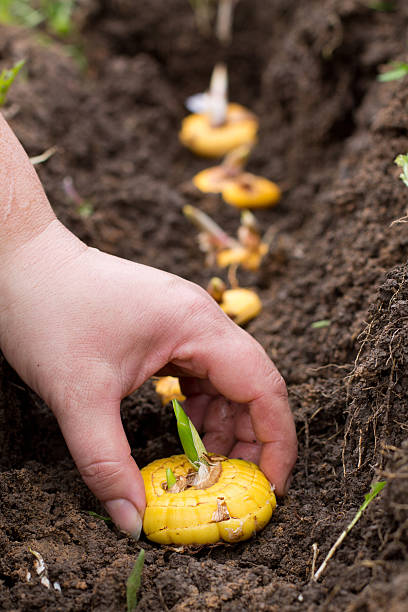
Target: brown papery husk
207,475
210,478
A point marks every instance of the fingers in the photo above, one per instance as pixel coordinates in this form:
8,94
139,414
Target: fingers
244,430
214,416
195,407
219,426
101,452
197,386
248,451
239,369
219,442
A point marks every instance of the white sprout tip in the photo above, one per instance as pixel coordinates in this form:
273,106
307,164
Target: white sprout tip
198,103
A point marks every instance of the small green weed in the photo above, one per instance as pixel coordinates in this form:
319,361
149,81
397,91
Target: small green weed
84,207
134,581
368,498
402,162
55,15
58,15
396,71
320,324
107,519
7,77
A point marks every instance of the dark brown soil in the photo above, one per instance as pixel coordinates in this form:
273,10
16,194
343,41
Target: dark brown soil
329,135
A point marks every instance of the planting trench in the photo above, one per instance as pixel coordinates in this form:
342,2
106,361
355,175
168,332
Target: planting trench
328,134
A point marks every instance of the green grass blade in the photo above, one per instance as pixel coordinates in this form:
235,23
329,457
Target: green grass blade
107,519
134,581
375,490
20,12
402,161
320,324
368,498
59,15
7,77
397,71
192,444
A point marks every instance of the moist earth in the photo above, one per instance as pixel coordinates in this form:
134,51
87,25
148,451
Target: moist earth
329,132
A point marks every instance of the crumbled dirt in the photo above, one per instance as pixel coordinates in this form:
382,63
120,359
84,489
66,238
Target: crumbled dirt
329,134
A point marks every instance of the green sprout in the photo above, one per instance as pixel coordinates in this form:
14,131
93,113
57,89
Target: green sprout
396,71
19,12
107,519
402,162
170,478
56,15
7,77
134,581
59,15
320,324
84,208
368,498
193,447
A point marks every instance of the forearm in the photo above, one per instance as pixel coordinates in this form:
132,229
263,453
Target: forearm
34,245
24,208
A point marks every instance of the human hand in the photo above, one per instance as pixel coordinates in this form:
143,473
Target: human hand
84,329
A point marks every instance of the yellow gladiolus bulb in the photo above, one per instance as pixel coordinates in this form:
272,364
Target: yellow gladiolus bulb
251,191
241,305
168,387
235,505
200,136
251,260
211,180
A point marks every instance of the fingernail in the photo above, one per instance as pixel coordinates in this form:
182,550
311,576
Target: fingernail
125,516
288,483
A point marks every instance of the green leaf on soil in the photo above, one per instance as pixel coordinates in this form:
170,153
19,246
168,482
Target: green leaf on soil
192,444
402,162
7,77
320,324
107,519
59,15
85,209
55,14
375,489
20,12
134,581
397,71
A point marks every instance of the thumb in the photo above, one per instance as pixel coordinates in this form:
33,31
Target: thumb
99,447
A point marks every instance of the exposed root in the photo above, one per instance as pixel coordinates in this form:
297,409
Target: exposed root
377,380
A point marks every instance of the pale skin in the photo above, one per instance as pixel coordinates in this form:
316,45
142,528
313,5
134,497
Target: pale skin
85,329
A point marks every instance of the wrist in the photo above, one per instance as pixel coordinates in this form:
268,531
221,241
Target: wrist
14,235
24,208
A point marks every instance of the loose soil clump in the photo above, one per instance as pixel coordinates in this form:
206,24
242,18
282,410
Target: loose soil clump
329,133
